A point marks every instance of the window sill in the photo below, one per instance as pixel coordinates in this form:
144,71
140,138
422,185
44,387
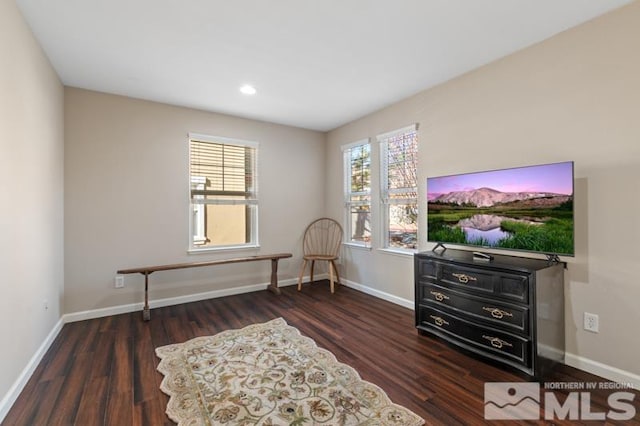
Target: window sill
222,249
399,252
357,246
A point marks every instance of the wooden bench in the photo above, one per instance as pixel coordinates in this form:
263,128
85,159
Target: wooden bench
148,270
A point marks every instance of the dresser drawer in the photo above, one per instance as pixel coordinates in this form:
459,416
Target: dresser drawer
425,269
504,309
475,337
509,286
500,314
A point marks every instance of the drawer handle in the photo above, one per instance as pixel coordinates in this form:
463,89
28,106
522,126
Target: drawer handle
497,313
496,342
464,278
439,296
439,321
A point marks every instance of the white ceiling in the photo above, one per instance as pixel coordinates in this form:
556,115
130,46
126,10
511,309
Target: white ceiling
316,64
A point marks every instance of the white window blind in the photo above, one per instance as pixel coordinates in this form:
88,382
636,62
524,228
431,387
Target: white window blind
223,192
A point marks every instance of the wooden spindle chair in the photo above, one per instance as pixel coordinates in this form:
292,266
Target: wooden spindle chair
322,240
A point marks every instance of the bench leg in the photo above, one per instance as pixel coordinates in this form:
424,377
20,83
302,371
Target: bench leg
146,313
274,277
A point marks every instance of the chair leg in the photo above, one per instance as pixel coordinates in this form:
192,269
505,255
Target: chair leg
331,277
313,264
304,265
335,268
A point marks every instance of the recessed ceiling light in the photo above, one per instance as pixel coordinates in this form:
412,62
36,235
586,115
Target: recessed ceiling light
248,90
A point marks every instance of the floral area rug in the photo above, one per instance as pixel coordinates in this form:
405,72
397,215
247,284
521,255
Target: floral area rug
269,374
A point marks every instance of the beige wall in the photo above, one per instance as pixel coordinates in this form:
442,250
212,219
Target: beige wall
127,205
573,97
31,186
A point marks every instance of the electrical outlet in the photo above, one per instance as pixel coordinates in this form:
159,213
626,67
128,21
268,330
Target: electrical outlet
591,322
544,311
45,304
118,281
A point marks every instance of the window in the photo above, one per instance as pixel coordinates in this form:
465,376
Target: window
399,188
357,182
223,193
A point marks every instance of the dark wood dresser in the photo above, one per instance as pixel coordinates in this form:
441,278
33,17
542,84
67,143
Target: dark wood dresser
509,310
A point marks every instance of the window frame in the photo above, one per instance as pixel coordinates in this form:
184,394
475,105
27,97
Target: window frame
348,193
385,198
253,202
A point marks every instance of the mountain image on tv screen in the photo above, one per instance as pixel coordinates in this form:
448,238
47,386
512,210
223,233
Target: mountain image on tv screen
525,208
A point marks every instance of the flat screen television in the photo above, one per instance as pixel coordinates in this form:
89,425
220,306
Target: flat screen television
523,208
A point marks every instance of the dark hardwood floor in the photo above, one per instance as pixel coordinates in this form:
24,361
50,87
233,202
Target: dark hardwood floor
103,371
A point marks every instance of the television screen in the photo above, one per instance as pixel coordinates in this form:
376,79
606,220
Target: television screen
525,208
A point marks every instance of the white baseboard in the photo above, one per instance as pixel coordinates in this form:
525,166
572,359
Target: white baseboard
581,363
170,301
379,294
603,370
8,400
25,375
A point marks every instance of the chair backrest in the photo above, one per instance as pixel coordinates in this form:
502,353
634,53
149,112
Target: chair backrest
322,237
